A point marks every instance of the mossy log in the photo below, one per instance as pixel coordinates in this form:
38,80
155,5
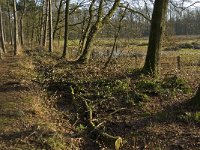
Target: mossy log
114,141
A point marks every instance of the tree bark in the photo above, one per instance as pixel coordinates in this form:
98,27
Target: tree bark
50,27
10,24
21,24
58,18
86,32
2,33
45,24
66,29
87,51
21,32
16,37
42,23
151,66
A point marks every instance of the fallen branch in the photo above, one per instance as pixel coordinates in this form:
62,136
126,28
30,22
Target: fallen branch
95,130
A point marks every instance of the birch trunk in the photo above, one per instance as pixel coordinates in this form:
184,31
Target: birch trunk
2,33
50,27
16,37
66,30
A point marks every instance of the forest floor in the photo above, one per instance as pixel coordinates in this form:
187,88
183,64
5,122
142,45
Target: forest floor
25,121
49,103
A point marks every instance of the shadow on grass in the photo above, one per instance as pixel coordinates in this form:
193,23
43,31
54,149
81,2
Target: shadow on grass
13,86
16,135
170,114
26,137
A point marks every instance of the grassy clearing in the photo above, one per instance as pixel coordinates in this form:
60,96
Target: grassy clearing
26,119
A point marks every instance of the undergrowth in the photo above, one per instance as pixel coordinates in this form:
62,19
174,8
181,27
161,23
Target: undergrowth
110,95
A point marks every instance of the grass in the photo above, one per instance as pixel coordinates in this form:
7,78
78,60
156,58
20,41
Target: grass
26,119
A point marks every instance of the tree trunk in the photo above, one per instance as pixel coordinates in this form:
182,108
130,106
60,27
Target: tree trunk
16,37
66,29
45,24
50,27
21,32
151,66
87,51
86,32
42,23
21,24
33,32
10,24
58,17
2,32
84,58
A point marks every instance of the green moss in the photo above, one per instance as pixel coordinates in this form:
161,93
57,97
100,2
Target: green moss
148,86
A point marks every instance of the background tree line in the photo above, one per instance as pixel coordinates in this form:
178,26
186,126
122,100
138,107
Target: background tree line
32,15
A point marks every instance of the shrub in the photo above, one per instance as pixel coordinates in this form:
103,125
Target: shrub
151,87
176,84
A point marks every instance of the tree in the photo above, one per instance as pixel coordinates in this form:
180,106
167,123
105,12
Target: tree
50,27
58,17
84,58
151,66
45,9
42,23
2,32
22,10
16,37
86,31
10,24
66,29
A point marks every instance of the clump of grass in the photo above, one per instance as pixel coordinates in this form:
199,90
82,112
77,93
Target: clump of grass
191,117
151,87
176,84
138,97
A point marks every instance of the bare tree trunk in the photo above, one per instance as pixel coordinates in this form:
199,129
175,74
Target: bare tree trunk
42,22
115,39
21,25
58,18
66,29
85,34
2,32
50,27
151,66
33,32
16,37
10,24
21,32
87,51
45,25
